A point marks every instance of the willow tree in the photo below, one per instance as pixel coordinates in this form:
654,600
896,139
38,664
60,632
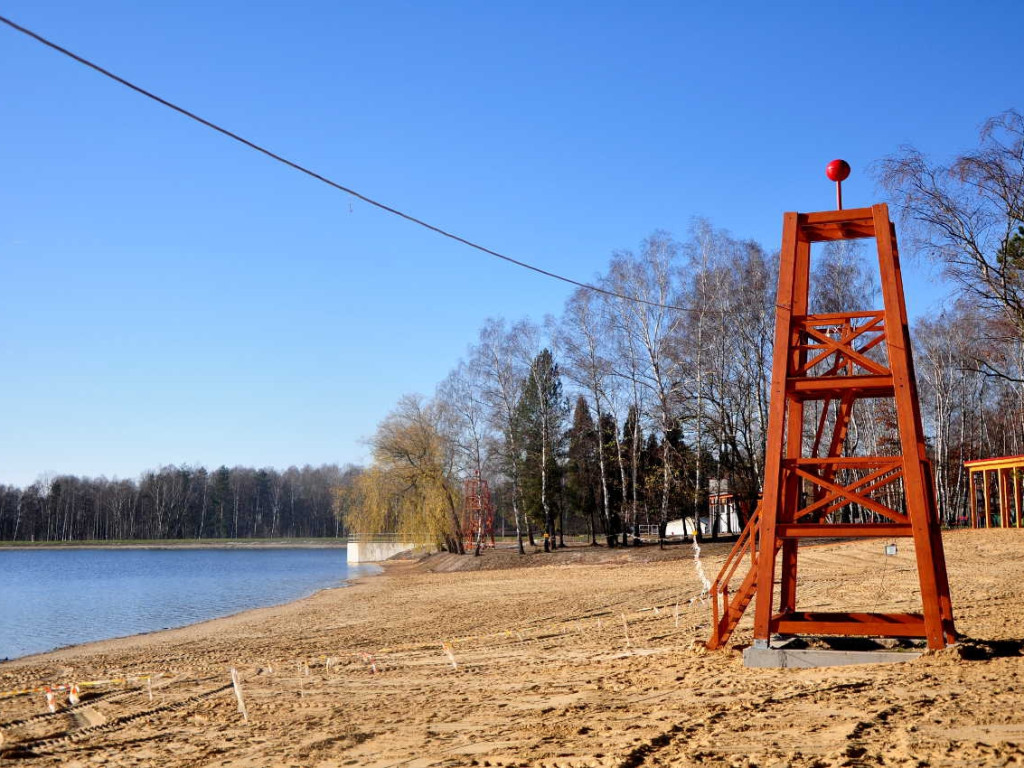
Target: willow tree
410,489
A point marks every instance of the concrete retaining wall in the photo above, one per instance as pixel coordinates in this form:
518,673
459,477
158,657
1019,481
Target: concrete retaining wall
375,551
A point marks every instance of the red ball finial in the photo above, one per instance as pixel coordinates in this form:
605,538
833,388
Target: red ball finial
837,170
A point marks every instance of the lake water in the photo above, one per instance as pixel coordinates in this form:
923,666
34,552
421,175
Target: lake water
52,598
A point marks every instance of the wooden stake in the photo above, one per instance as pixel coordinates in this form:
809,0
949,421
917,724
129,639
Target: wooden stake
238,694
625,629
451,656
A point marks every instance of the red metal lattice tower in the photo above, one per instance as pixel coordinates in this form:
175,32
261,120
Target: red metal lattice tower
477,513
823,365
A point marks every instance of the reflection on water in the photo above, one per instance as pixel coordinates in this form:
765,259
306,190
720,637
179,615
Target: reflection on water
53,598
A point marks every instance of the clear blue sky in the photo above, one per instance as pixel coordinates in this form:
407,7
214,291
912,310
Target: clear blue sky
169,296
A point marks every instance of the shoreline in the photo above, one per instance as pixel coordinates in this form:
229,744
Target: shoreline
501,560
247,613
200,625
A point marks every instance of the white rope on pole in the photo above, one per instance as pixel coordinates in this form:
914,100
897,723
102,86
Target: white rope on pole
699,565
447,648
238,694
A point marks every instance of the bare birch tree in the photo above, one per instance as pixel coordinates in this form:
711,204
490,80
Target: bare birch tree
653,276
498,361
585,349
968,216
463,420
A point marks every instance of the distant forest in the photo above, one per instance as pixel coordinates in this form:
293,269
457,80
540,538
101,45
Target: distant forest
177,503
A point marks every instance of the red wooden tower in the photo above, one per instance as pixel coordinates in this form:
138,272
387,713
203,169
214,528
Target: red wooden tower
823,366
477,513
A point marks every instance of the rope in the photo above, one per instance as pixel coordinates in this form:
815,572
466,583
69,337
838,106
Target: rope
699,565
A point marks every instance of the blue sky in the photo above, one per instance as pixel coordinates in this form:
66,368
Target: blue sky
169,296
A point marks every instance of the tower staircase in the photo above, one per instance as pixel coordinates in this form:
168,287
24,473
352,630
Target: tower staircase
727,609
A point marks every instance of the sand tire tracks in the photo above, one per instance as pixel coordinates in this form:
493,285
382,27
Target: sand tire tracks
28,748
106,698
640,755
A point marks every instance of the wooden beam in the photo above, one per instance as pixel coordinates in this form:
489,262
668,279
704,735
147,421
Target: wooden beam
851,624
843,530
820,387
988,504
974,498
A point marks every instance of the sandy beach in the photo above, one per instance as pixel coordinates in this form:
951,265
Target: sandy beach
577,658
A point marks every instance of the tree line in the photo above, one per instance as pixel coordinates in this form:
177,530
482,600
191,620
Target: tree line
628,407
180,502
631,404
614,415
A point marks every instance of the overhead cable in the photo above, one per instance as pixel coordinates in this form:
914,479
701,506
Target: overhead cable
329,182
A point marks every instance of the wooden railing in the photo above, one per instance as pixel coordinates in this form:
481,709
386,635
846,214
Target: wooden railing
725,614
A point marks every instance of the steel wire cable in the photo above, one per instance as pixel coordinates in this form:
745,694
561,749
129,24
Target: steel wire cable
341,187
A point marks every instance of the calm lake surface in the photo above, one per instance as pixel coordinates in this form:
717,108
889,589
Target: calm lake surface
53,598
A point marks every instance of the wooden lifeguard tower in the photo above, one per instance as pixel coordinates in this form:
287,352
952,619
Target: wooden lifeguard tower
824,365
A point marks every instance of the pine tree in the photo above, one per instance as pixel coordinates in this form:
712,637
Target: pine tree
541,413
582,480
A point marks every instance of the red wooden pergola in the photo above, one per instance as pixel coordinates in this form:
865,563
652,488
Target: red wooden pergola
823,366
996,489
